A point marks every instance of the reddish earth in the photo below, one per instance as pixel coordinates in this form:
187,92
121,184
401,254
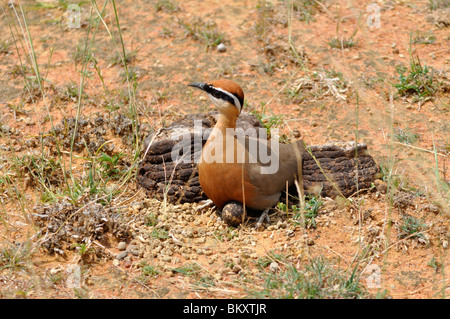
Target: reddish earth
258,56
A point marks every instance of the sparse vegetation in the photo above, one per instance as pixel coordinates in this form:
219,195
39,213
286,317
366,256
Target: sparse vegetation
69,159
318,280
4,47
405,136
268,121
14,257
305,9
71,92
418,81
438,4
424,38
117,58
189,270
199,30
110,164
149,271
411,227
311,211
167,6
341,43
82,55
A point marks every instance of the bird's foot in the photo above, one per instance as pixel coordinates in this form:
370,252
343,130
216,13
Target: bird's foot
264,216
205,204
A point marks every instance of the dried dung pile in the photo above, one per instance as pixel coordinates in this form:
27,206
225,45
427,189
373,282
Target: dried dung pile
64,225
339,168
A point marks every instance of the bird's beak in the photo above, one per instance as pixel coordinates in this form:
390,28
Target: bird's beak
198,85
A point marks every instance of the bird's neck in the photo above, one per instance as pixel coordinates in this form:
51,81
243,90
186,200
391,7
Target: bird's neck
226,121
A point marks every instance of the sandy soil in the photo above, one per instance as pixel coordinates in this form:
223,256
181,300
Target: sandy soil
165,56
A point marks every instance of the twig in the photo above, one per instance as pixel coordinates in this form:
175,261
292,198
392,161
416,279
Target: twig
337,254
418,148
425,287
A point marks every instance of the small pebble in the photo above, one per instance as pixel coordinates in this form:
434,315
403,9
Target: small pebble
221,47
380,186
273,266
122,255
289,233
166,259
29,121
122,245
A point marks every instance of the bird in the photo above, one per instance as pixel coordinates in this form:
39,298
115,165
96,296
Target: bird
229,171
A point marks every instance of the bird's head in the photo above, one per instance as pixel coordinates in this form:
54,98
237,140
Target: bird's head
226,95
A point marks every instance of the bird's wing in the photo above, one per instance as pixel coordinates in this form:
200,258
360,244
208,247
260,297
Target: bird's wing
275,164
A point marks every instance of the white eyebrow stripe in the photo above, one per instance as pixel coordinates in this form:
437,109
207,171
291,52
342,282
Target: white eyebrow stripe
236,101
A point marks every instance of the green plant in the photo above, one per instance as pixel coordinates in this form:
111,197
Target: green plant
200,30
82,55
14,256
311,211
435,264
4,47
131,75
405,136
341,43
119,58
266,260
438,4
188,270
206,281
110,164
166,32
226,234
20,70
411,227
417,81
268,121
149,271
71,91
319,280
151,219
159,233
44,171
83,249
167,6
424,38
265,10
305,9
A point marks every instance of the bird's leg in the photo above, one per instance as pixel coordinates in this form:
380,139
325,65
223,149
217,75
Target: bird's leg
264,215
205,204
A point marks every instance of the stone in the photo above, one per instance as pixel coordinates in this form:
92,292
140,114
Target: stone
221,47
122,246
273,266
122,255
